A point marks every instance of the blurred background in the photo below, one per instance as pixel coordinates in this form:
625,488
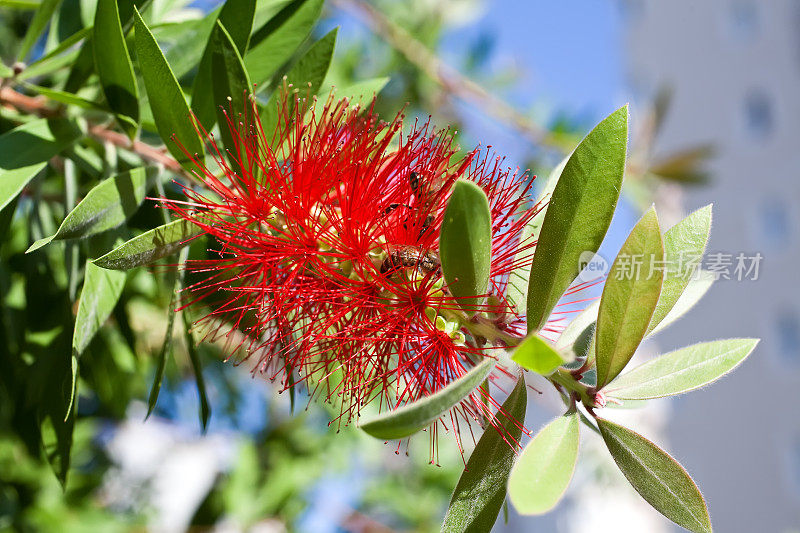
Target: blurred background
714,90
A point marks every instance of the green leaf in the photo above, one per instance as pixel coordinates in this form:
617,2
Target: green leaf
684,245
629,297
578,215
543,471
149,246
55,58
537,355
230,85
170,111
657,477
37,26
682,370
481,489
25,151
360,92
518,280
274,44
697,288
64,97
166,345
236,20
305,78
100,293
197,368
110,203
418,415
465,244
114,67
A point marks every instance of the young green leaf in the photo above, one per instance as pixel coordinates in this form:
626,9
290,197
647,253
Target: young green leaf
682,370
236,20
697,288
629,297
64,97
544,469
114,67
579,330
276,41
481,489
25,151
149,246
684,245
465,244
537,355
107,205
170,111
578,215
304,78
518,279
657,477
166,345
418,415
230,84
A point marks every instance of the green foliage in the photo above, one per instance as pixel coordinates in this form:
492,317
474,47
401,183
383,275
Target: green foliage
170,111
544,469
537,355
657,477
418,415
629,297
481,490
682,370
149,246
231,85
578,215
465,244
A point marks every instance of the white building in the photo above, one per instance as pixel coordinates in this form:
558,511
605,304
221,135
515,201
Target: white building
734,66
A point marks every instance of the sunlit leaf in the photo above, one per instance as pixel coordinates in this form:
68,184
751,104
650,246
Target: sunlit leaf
465,244
682,370
25,151
657,477
170,111
578,215
149,246
36,27
544,469
410,418
629,297
230,85
114,67
537,355
481,490
697,288
684,244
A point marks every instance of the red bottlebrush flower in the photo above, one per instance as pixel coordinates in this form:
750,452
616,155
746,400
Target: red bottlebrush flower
327,261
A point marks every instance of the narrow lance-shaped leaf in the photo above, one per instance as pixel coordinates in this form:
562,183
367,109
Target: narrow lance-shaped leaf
236,17
518,279
230,85
410,418
37,25
697,288
465,244
149,246
114,67
25,151
275,42
578,333
170,111
684,245
304,78
657,477
543,471
578,215
101,291
481,490
682,370
629,297
197,368
537,355
107,205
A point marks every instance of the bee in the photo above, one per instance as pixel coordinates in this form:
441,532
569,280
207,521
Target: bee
411,257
